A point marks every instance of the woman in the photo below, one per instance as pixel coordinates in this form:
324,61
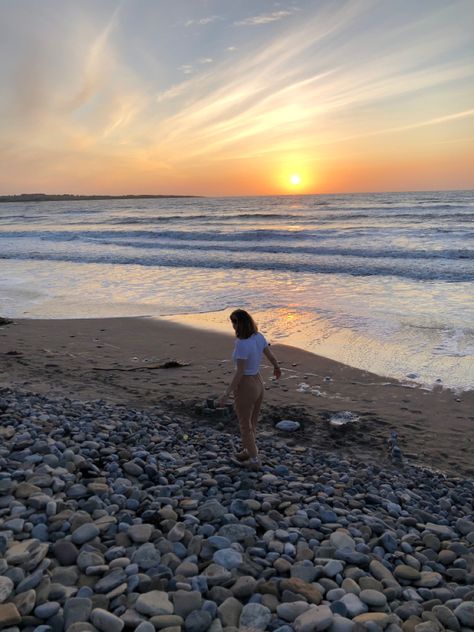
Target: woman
247,384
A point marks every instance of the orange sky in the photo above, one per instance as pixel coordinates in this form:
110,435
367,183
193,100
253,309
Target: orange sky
214,98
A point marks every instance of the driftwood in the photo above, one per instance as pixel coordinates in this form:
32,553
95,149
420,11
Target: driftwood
171,364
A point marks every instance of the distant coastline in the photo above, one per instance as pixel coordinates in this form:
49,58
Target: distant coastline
45,197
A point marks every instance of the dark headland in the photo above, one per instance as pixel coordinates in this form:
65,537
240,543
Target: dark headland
64,197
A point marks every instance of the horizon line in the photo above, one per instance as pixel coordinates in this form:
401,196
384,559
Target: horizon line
191,195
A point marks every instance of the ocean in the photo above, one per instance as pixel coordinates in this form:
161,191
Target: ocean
380,281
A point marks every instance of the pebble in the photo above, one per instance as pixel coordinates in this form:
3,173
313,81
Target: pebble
228,558
65,552
290,611
6,588
373,598
106,621
84,533
9,615
198,621
317,618
287,425
154,602
77,609
254,616
465,613
185,602
108,520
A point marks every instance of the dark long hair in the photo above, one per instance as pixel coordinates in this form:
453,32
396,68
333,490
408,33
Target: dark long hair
246,325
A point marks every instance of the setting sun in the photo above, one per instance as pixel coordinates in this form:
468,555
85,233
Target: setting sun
295,179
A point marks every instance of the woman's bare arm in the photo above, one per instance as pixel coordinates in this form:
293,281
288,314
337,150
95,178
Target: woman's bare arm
274,361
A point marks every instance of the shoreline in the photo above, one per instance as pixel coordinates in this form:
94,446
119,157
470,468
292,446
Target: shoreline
118,360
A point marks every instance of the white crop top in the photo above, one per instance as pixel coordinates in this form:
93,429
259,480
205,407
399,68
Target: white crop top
250,349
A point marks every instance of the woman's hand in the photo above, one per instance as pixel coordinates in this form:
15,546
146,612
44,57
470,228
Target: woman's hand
277,372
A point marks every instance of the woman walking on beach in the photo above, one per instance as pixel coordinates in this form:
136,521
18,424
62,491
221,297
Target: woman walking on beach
247,383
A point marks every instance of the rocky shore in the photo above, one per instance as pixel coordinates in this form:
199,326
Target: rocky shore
115,519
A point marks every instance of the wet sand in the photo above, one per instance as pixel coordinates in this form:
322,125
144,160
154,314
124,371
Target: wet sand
121,360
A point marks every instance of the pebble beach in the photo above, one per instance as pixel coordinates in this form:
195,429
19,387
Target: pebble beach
128,512
113,519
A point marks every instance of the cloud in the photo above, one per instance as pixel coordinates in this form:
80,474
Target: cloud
264,18
330,78
297,92
203,21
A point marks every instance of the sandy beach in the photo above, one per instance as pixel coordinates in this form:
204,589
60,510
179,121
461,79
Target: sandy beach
119,359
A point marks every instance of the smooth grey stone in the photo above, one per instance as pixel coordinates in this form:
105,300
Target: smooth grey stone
145,626
84,533
40,531
31,581
373,598
176,534
133,469
211,511
464,526
236,532
341,540
25,602
342,624
409,609
197,621
6,588
229,612
228,558
446,617
47,610
333,568
216,575
354,605
334,594
255,616
218,542
465,613
27,553
154,602
304,570
65,552
106,621
316,618
111,581
290,611
240,508
146,556
140,533
65,575
14,524
442,531
287,425
76,610
244,587
186,601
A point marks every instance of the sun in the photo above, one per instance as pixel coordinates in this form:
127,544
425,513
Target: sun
295,179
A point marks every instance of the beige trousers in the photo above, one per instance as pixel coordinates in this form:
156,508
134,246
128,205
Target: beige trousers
248,399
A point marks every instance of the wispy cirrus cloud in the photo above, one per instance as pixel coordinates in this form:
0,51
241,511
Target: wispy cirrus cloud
203,21
187,69
325,83
264,18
